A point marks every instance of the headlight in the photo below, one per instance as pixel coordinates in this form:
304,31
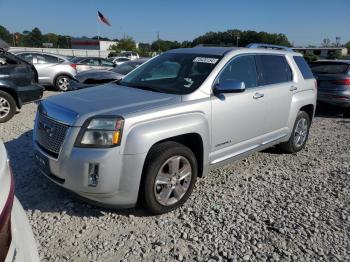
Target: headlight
103,131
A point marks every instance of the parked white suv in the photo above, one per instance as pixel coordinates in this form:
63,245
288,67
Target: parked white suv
16,238
149,136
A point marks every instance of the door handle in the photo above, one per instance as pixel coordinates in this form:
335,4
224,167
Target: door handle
258,95
293,88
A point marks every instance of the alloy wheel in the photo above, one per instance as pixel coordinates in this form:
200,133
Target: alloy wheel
173,180
300,132
4,107
63,83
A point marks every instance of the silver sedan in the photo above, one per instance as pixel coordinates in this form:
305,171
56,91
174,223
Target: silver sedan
53,70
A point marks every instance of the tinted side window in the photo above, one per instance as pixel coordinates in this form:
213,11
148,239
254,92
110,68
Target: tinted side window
242,68
273,69
90,61
27,56
46,59
303,67
106,62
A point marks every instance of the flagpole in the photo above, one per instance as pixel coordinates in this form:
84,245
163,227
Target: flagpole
98,37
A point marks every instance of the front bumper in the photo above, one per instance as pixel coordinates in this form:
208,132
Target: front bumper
118,175
341,98
23,247
28,94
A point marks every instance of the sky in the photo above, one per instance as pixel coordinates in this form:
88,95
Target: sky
303,21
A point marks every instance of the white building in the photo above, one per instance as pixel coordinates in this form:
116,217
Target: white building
104,45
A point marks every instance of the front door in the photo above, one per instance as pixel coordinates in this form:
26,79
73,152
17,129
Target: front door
237,118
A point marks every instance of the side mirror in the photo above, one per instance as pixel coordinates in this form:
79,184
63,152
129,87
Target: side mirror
229,86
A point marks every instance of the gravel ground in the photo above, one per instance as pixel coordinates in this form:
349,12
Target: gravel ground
270,206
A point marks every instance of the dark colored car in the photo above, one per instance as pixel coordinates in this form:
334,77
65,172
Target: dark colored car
333,80
96,77
18,84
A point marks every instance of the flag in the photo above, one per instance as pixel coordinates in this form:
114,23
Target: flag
103,19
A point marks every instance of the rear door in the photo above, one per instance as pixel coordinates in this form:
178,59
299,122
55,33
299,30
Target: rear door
45,64
276,78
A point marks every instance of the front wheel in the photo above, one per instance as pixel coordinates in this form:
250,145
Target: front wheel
62,83
169,177
300,134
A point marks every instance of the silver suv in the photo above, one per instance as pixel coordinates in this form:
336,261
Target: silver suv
147,137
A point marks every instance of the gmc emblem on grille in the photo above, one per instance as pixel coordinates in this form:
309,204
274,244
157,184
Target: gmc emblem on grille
46,128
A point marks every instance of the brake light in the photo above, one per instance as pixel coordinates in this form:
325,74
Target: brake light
5,222
345,82
74,66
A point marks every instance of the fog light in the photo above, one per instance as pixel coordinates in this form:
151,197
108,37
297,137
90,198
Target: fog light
93,175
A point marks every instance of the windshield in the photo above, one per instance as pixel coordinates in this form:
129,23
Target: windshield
125,68
172,73
329,68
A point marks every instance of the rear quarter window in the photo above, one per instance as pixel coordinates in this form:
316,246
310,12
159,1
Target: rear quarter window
303,67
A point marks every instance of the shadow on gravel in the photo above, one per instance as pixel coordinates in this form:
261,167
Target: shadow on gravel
36,192
329,111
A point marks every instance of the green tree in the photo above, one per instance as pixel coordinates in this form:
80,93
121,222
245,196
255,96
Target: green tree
229,38
164,45
334,55
5,35
126,44
35,38
310,58
347,45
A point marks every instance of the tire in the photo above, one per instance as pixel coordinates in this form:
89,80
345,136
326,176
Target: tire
62,83
157,185
294,145
7,107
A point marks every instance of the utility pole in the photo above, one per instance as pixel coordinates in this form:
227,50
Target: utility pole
237,38
158,38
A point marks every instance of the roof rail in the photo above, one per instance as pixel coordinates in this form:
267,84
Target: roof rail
212,45
268,46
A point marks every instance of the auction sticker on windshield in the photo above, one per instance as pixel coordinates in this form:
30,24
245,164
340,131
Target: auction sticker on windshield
207,60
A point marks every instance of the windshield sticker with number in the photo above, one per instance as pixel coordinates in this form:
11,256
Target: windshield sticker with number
207,60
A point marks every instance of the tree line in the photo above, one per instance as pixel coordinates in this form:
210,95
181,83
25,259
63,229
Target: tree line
35,38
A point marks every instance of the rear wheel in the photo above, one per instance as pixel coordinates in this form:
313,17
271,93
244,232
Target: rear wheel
62,83
169,177
7,107
299,134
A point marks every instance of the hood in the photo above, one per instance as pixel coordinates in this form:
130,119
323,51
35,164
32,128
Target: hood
74,108
91,75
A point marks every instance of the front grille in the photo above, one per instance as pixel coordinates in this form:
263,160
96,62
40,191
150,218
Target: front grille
50,134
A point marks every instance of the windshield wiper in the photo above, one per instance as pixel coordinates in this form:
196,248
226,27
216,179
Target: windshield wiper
138,86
